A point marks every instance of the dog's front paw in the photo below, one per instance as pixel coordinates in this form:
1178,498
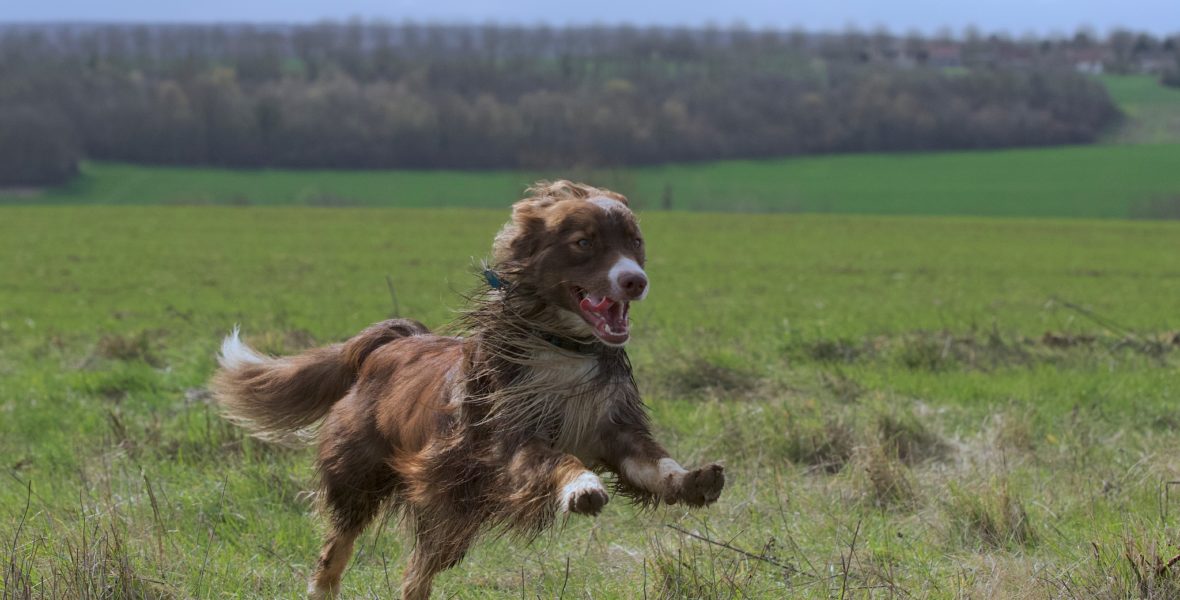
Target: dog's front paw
584,495
699,487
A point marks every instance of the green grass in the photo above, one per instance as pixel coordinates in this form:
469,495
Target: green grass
1090,181
1130,91
893,416
1152,110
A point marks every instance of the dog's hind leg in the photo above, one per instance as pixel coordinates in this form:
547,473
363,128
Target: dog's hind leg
350,512
440,542
356,484
325,583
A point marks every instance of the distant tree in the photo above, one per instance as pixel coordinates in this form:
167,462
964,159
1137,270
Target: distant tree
1083,38
36,148
1144,44
1122,44
357,95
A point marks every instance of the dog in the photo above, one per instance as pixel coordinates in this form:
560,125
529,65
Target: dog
504,427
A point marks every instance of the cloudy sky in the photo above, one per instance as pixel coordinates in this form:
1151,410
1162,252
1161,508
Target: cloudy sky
1013,16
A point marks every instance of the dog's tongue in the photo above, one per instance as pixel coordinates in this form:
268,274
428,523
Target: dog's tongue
600,307
612,316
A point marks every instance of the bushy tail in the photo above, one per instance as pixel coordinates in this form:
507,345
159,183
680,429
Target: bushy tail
277,398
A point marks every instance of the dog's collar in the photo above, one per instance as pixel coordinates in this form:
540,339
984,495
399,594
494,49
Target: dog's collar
494,280
572,345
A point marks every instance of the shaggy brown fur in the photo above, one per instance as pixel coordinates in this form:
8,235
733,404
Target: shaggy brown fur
499,429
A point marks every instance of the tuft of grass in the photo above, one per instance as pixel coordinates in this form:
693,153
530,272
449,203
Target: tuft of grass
1014,429
100,565
843,387
832,350
1141,567
905,437
884,480
698,567
824,444
119,381
936,352
127,347
923,352
93,560
710,377
989,515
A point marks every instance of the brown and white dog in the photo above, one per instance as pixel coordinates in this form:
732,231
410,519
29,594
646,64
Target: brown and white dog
502,428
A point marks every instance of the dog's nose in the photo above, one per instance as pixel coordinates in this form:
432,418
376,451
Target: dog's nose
633,284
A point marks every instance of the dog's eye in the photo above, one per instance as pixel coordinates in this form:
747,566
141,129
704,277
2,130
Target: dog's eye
585,243
638,242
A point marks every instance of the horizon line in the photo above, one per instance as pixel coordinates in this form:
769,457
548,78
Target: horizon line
958,33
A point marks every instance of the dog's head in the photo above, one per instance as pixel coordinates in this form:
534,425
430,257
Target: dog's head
578,252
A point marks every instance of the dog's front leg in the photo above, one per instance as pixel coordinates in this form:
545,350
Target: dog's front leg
537,472
646,469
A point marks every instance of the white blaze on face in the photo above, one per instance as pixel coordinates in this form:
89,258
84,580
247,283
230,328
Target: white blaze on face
623,267
608,204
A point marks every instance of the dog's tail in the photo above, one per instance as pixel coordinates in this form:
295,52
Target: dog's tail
277,399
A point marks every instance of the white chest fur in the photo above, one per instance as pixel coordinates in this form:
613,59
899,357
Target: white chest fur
573,401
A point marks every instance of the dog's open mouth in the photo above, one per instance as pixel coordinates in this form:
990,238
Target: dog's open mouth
606,315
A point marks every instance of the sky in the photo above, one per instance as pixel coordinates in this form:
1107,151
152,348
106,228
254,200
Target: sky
1015,17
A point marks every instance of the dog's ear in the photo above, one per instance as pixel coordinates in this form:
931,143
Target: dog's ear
521,236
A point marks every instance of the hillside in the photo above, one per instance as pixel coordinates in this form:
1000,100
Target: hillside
1100,181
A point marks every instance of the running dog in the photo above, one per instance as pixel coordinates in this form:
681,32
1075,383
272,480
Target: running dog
504,427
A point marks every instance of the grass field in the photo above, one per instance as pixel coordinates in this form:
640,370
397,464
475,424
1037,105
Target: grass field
908,407
1085,181
1152,110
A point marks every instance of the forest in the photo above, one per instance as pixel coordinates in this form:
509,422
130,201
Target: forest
362,95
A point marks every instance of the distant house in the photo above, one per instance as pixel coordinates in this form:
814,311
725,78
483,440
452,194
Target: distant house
944,55
892,54
1088,60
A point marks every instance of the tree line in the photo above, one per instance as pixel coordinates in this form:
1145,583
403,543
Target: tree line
372,95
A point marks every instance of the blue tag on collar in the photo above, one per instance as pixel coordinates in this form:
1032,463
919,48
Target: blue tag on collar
493,279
